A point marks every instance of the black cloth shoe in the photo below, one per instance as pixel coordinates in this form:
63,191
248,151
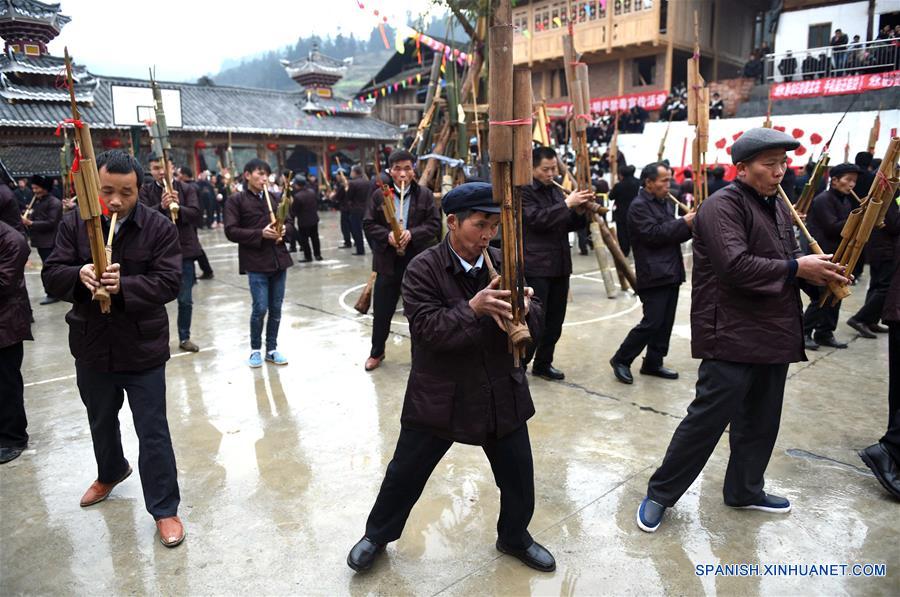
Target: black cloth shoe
8,453
877,328
318,258
861,328
206,276
883,466
345,246
363,554
809,343
660,371
537,556
831,342
306,260
621,371
548,372
49,300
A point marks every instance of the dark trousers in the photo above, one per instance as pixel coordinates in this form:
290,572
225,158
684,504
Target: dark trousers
820,322
185,299
554,296
203,262
356,230
655,328
415,457
310,233
385,295
345,227
584,240
44,255
622,235
891,439
13,422
881,272
103,395
748,397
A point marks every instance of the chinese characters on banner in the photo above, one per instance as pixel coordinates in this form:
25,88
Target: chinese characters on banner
648,100
834,86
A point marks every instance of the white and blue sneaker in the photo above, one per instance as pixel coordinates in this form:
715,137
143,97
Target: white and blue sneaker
255,359
767,503
649,515
276,358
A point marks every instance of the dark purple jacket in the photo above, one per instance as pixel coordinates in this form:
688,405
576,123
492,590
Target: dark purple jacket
9,209
424,223
15,309
246,215
745,303
134,335
880,248
891,311
463,385
827,216
656,237
305,207
190,217
546,226
356,196
45,216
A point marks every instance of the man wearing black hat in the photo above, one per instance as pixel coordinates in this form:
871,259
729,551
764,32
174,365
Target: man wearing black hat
419,220
745,326
463,386
656,236
548,217
826,218
41,220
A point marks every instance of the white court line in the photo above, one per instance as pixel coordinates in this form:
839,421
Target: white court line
65,377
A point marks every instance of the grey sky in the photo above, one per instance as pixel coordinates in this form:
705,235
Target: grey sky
189,38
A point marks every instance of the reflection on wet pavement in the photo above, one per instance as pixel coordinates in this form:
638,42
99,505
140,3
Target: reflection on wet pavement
279,466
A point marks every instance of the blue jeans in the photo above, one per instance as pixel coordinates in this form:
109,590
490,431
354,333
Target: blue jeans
267,291
185,299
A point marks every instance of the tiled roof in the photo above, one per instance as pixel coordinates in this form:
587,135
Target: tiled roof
25,160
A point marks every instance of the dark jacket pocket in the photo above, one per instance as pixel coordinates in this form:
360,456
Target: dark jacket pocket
429,400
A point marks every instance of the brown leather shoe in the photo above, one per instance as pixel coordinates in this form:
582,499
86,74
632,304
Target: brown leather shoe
373,363
98,491
171,531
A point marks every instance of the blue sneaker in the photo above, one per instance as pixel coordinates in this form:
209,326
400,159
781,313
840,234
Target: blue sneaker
276,358
767,503
649,515
255,359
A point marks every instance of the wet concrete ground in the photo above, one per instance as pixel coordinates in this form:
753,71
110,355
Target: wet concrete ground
278,467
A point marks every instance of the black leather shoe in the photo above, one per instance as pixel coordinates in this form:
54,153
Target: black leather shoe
548,372
660,371
537,556
883,466
363,554
861,328
49,300
831,342
8,453
877,328
621,371
206,276
809,343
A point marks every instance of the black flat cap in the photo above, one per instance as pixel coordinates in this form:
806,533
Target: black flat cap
42,181
475,196
841,169
755,141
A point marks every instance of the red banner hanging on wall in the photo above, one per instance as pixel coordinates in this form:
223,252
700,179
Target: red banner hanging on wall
648,100
834,86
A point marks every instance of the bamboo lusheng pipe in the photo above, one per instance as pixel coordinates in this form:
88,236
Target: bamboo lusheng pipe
885,183
390,214
164,144
683,207
847,232
590,206
365,299
874,132
87,187
834,287
519,335
109,238
809,189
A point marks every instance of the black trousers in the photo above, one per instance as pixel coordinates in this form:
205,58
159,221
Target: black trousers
554,296
203,262
747,397
44,255
13,423
356,231
891,439
415,457
345,227
881,272
622,236
655,328
103,395
385,295
820,322
308,233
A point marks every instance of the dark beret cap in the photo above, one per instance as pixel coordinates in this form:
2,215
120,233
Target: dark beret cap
755,141
841,169
42,181
476,196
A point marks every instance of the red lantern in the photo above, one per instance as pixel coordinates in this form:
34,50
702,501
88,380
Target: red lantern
200,144
272,146
112,143
332,147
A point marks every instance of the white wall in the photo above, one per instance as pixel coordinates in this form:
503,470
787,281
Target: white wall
852,18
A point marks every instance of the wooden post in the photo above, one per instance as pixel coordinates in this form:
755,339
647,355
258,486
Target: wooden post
621,76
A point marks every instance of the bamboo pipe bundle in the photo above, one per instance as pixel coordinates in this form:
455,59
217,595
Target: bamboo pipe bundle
809,189
390,214
518,332
885,183
87,187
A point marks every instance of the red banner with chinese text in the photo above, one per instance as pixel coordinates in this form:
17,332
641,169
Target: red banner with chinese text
834,86
648,100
